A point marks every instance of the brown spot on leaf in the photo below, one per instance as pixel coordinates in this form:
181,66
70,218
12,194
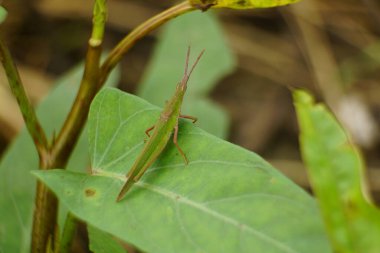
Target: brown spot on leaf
90,192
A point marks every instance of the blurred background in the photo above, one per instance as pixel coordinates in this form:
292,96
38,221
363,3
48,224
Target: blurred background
329,47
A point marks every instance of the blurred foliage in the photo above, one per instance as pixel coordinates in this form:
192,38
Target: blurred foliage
336,171
365,63
3,14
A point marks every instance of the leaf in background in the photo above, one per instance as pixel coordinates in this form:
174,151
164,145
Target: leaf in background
336,171
241,4
361,65
17,185
103,242
3,14
167,66
226,199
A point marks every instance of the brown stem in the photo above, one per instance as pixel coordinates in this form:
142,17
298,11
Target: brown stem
68,233
138,33
90,86
27,110
93,79
45,214
44,230
67,138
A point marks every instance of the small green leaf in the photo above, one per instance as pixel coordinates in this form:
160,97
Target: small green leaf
103,242
336,170
226,199
240,4
167,66
17,185
3,14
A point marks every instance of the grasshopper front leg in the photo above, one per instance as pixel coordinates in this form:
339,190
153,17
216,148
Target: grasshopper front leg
194,119
149,130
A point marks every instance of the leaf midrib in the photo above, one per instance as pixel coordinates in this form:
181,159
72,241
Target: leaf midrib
183,200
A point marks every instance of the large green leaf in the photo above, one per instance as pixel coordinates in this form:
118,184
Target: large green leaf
226,199
336,170
240,4
167,66
17,185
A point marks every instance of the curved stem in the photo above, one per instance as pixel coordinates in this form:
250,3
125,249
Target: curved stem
69,134
93,79
91,83
44,232
138,33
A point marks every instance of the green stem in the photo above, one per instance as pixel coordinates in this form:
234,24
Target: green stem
68,233
138,33
98,21
93,79
44,230
45,214
27,110
69,134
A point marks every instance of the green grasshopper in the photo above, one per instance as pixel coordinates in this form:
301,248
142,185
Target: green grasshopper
163,129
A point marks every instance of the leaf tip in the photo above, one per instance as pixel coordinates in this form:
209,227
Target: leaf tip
302,97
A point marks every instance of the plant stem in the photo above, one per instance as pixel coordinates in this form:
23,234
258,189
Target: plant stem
68,233
93,79
69,134
45,214
44,231
99,20
27,110
138,33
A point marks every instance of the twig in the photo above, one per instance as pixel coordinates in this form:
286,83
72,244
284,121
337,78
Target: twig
138,33
68,233
44,233
93,79
26,107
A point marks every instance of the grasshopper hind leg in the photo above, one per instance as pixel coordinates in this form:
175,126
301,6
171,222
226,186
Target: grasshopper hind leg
175,141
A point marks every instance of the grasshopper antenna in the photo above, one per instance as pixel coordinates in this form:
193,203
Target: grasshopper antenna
195,63
187,75
187,61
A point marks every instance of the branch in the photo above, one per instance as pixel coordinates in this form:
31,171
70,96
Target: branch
27,110
93,79
139,32
68,233
44,232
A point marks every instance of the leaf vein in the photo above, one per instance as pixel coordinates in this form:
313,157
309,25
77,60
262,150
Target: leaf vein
184,229
121,125
97,130
217,215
